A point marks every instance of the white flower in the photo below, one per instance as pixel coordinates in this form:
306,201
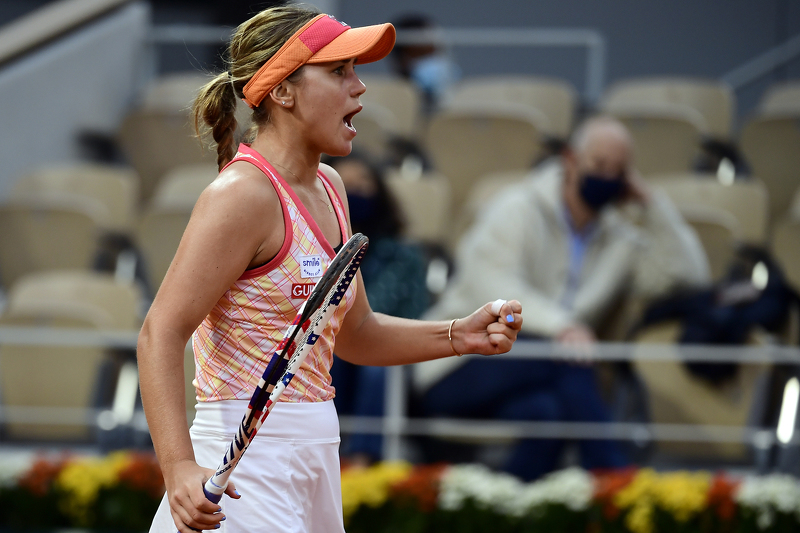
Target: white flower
476,482
572,488
767,494
12,465
506,494
765,518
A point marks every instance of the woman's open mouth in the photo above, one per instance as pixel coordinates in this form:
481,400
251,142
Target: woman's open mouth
348,120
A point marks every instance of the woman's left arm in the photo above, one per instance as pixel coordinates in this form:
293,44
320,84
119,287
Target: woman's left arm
375,339
369,338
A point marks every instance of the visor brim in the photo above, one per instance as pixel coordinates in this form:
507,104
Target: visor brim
367,44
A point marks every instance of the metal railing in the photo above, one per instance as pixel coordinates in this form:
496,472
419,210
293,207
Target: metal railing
763,64
48,23
395,425
592,40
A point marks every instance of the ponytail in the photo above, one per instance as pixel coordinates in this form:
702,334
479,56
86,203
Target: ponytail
252,44
215,107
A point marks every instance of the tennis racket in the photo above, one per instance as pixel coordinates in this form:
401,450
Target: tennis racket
298,340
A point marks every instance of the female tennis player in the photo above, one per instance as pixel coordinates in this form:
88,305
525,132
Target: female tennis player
259,237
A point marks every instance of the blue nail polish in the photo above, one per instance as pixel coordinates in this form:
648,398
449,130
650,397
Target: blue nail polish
509,318
217,526
236,492
224,518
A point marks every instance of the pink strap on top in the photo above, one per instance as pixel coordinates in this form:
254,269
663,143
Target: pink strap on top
251,156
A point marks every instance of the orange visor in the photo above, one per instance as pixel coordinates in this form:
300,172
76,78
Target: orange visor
323,39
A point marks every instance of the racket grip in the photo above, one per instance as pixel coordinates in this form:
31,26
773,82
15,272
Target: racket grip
213,492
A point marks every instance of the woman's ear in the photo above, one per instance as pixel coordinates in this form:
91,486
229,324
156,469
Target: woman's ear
282,95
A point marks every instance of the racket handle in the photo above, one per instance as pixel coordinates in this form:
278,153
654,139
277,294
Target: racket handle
213,491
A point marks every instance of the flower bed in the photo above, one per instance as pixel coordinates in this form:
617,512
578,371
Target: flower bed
391,498
120,492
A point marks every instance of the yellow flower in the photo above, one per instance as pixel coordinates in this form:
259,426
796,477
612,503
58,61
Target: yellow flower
640,518
370,486
637,497
81,481
682,494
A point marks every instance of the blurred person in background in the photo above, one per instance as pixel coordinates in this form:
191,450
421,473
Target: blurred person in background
558,242
426,64
394,278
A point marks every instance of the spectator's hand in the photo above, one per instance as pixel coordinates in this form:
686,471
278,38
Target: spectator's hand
579,341
486,332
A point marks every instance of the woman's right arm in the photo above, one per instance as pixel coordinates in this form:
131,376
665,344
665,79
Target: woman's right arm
235,222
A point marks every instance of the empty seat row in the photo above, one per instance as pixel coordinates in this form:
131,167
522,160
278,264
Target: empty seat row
503,123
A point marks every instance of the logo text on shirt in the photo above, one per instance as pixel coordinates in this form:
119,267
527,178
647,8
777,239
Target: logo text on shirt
310,266
301,291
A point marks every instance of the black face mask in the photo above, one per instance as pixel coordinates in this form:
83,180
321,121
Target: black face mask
362,208
597,191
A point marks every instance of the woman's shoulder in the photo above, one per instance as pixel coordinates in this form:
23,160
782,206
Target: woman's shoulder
241,190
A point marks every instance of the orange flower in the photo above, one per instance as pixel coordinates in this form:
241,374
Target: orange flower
143,473
40,477
720,496
607,484
421,486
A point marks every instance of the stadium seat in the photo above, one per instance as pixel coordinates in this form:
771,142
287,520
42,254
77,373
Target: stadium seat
59,377
665,138
676,396
155,141
719,233
398,97
781,98
115,190
785,247
746,200
425,203
466,142
556,99
182,186
712,100
794,210
375,125
162,224
48,234
174,92
770,144
158,235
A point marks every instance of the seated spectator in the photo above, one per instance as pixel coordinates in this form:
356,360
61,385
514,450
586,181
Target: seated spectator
426,64
558,243
394,278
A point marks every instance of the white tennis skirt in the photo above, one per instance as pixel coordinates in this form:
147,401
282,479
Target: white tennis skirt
289,478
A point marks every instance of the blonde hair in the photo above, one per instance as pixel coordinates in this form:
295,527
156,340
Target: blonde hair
251,45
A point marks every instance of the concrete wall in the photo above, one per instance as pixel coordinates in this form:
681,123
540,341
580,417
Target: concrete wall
83,82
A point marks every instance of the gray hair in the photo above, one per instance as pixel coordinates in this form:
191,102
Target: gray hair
581,136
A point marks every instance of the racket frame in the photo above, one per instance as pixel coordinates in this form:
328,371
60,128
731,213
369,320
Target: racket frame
326,295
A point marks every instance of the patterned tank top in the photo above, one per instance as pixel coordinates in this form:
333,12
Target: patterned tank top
234,343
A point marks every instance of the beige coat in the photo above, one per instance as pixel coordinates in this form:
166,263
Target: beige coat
519,249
